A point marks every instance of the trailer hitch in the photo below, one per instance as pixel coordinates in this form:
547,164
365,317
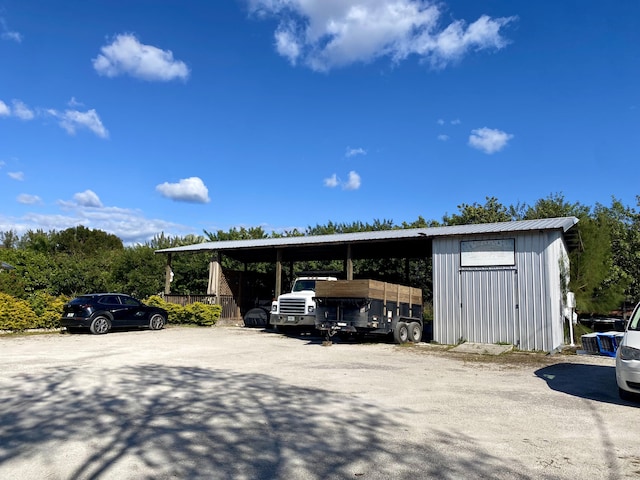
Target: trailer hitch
330,332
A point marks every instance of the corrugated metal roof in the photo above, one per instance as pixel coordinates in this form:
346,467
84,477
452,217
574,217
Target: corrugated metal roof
561,223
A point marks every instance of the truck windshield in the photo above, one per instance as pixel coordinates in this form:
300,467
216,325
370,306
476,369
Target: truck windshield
304,285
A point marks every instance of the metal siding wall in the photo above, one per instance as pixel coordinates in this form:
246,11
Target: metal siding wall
447,328
538,324
533,297
541,298
557,254
488,304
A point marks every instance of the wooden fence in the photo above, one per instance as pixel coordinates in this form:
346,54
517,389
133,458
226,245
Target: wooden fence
230,308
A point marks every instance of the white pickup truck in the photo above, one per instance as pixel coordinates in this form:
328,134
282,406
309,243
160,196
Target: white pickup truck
297,308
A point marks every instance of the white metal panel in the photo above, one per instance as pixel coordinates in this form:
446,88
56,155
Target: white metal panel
447,324
476,304
489,308
533,298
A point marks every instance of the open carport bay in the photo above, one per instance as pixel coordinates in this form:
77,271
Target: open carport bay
239,403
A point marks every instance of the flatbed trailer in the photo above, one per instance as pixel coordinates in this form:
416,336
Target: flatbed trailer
361,307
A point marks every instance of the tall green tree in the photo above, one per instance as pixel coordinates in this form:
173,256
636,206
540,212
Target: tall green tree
138,271
597,282
492,211
9,239
625,246
554,206
85,241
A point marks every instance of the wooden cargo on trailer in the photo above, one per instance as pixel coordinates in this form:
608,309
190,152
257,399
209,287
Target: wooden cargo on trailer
373,289
360,307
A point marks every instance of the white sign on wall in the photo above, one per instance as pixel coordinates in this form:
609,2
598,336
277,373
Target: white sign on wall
488,253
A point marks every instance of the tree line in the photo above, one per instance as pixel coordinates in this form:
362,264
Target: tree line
605,269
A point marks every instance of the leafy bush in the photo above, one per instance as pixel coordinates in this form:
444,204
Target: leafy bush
12,284
15,314
47,309
427,312
203,314
195,313
173,310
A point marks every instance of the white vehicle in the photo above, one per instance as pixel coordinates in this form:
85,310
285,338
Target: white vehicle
298,308
628,359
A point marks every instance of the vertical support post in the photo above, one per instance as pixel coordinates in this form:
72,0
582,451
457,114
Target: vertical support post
278,272
407,271
240,300
167,276
213,286
349,263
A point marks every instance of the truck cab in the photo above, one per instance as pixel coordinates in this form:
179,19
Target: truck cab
298,307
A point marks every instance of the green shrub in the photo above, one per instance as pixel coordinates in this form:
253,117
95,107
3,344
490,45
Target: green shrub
427,312
174,311
202,314
12,284
195,313
47,309
15,314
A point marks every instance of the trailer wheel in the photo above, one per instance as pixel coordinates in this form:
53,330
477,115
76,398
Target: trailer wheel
415,332
401,333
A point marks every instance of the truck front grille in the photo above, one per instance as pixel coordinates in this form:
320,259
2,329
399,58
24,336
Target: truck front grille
292,306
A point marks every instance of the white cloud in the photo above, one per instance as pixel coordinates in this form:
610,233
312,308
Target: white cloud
7,34
456,40
352,152
130,225
443,138
74,103
71,120
21,110
191,190
16,175
126,55
88,198
332,181
489,140
27,199
352,183
441,121
325,34
287,43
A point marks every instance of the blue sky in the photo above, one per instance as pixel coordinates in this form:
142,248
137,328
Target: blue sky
145,116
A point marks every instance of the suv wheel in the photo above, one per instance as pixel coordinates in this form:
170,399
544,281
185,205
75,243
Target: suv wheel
100,325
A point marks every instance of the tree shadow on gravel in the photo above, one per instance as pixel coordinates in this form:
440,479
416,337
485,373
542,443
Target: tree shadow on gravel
185,422
592,382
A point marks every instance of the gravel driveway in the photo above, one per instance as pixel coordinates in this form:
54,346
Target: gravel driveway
239,403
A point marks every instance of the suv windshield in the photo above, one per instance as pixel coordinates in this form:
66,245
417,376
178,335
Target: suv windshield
304,285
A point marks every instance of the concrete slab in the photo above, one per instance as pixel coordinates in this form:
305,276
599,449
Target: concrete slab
482,348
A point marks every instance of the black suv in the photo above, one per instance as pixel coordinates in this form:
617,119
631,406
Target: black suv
100,312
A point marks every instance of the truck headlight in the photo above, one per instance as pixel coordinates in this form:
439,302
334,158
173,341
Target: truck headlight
311,309
274,307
